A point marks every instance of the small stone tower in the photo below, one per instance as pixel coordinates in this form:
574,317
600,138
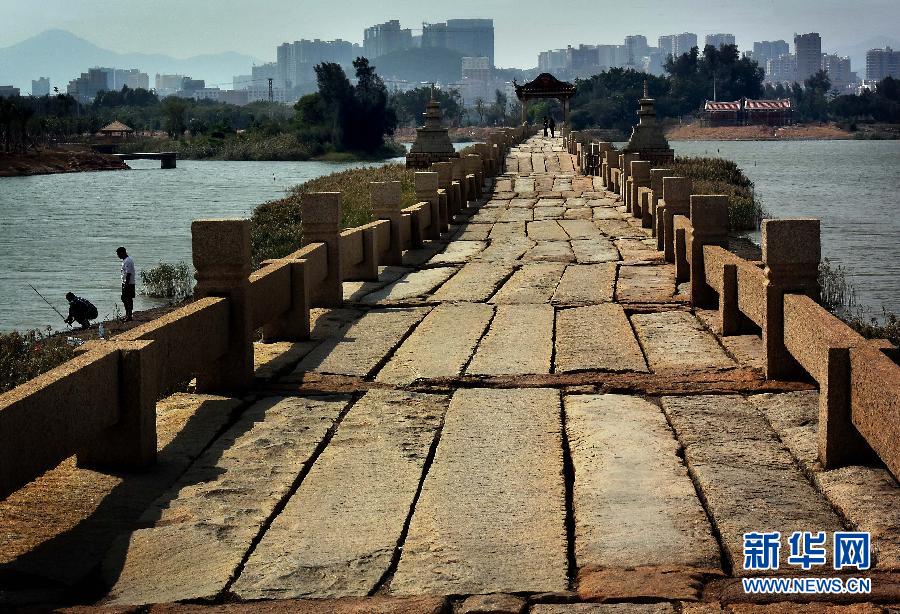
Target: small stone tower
647,138
432,140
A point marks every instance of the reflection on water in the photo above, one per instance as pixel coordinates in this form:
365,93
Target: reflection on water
60,232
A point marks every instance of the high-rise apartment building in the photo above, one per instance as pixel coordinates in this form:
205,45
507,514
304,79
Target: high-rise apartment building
808,51
470,37
296,61
676,44
636,49
611,56
167,85
782,69
385,38
763,51
719,40
838,69
40,87
8,91
553,60
881,63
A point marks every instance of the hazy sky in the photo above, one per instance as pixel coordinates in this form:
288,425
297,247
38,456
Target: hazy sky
183,28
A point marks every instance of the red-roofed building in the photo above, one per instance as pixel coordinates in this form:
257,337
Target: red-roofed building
769,112
722,113
745,112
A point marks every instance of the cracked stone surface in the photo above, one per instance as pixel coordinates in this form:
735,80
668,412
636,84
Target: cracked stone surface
494,539
336,536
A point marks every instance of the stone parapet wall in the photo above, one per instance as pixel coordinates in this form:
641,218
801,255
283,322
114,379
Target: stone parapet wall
101,405
859,412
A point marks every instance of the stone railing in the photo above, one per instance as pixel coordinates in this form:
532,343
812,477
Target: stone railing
859,382
101,405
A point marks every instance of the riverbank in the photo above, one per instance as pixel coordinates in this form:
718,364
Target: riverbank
256,148
467,134
802,132
53,161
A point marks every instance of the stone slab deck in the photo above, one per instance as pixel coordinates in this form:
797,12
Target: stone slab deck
217,508
567,469
499,461
337,535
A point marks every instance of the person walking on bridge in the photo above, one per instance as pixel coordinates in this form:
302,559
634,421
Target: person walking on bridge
545,125
128,282
552,128
81,310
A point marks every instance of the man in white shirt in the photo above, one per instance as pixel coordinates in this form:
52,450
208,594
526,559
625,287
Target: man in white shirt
128,282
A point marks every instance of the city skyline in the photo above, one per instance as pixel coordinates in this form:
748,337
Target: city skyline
516,26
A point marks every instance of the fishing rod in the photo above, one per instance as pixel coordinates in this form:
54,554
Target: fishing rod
49,303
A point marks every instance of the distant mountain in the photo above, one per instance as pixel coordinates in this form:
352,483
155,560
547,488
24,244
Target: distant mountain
61,56
857,52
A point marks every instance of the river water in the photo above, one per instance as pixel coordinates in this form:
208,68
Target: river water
60,232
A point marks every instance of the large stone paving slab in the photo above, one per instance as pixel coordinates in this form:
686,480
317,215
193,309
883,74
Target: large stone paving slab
411,286
458,252
362,347
491,517
749,481
505,250
546,230
519,341
532,283
676,341
586,284
440,346
596,337
634,502
550,251
475,282
338,533
202,528
593,251
646,284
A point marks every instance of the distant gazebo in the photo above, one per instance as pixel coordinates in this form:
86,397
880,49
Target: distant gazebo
116,131
545,85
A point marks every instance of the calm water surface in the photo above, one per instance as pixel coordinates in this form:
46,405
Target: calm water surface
851,186
59,232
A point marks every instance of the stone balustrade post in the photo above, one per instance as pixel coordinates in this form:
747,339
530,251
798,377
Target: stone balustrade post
386,205
676,200
791,252
610,161
445,182
458,169
426,184
625,160
221,257
320,215
130,443
475,166
709,226
656,185
639,178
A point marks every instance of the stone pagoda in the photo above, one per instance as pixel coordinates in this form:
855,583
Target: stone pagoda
432,140
647,138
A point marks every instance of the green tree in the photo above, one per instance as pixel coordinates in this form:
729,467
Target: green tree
174,109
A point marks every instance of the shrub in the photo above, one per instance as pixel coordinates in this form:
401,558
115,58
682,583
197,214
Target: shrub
275,229
166,280
719,176
24,356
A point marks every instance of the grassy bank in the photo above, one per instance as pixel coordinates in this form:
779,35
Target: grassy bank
718,176
254,147
275,225
24,356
